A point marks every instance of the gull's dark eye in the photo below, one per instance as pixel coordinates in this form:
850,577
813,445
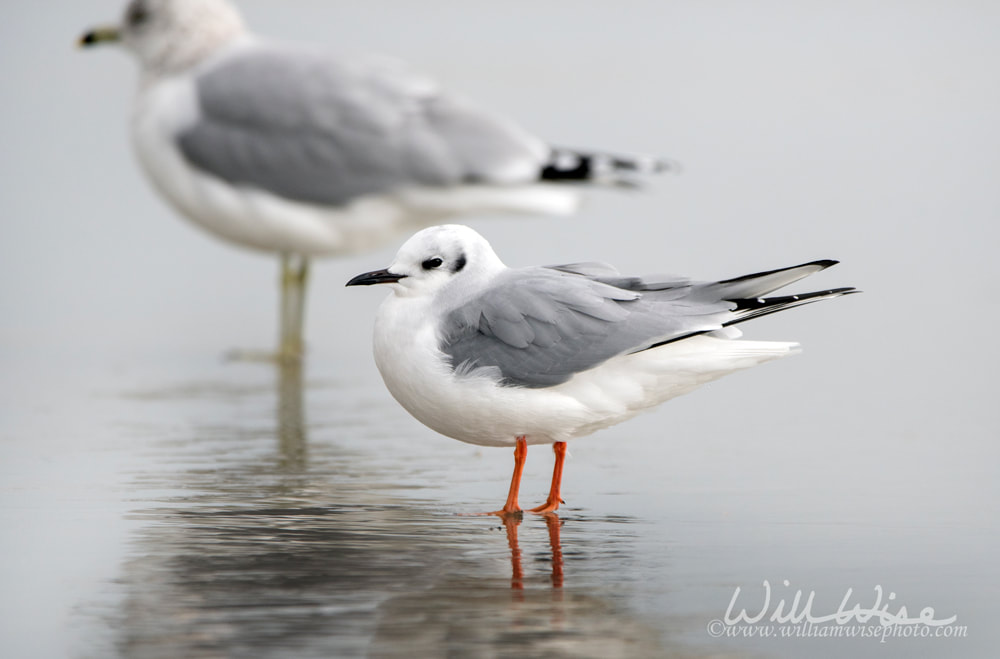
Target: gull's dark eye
430,264
137,14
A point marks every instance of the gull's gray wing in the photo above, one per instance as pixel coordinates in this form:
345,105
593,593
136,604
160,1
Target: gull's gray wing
608,274
537,327
308,127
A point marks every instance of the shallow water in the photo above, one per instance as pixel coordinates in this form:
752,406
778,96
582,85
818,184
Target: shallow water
156,501
258,512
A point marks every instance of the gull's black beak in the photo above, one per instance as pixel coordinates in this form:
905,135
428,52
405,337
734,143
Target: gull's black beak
375,277
99,35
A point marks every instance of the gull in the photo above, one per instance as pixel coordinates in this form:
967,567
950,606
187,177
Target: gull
499,356
289,149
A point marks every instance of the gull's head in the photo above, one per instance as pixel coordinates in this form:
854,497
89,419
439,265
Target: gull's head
450,255
171,35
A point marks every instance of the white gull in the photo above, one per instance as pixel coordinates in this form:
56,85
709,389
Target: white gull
500,356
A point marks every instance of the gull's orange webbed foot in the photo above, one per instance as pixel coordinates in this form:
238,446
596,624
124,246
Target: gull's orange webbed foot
547,507
504,514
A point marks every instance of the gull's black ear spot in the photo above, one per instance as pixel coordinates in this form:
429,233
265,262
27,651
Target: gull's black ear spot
430,264
460,263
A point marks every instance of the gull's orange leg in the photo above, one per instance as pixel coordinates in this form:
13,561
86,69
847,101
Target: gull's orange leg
552,503
520,455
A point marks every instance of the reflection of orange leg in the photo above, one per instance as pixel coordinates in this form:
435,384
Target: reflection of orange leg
520,455
552,503
552,521
516,572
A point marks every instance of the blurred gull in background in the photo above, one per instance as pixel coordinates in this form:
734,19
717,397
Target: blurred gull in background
496,356
287,149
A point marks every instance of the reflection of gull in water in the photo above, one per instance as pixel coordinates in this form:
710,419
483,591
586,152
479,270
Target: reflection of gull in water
553,524
363,578
291,150
243,552
500,356
288,424
291,420
458,617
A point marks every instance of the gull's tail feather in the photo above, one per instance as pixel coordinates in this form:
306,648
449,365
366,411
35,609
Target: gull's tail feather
745,293
762,283
747,309
572,166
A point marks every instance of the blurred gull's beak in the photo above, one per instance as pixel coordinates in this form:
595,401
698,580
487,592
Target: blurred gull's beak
375,277
99,35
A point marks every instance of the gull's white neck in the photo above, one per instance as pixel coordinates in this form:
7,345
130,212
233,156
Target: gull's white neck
406,336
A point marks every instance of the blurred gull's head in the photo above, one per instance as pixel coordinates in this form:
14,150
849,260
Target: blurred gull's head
168,36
